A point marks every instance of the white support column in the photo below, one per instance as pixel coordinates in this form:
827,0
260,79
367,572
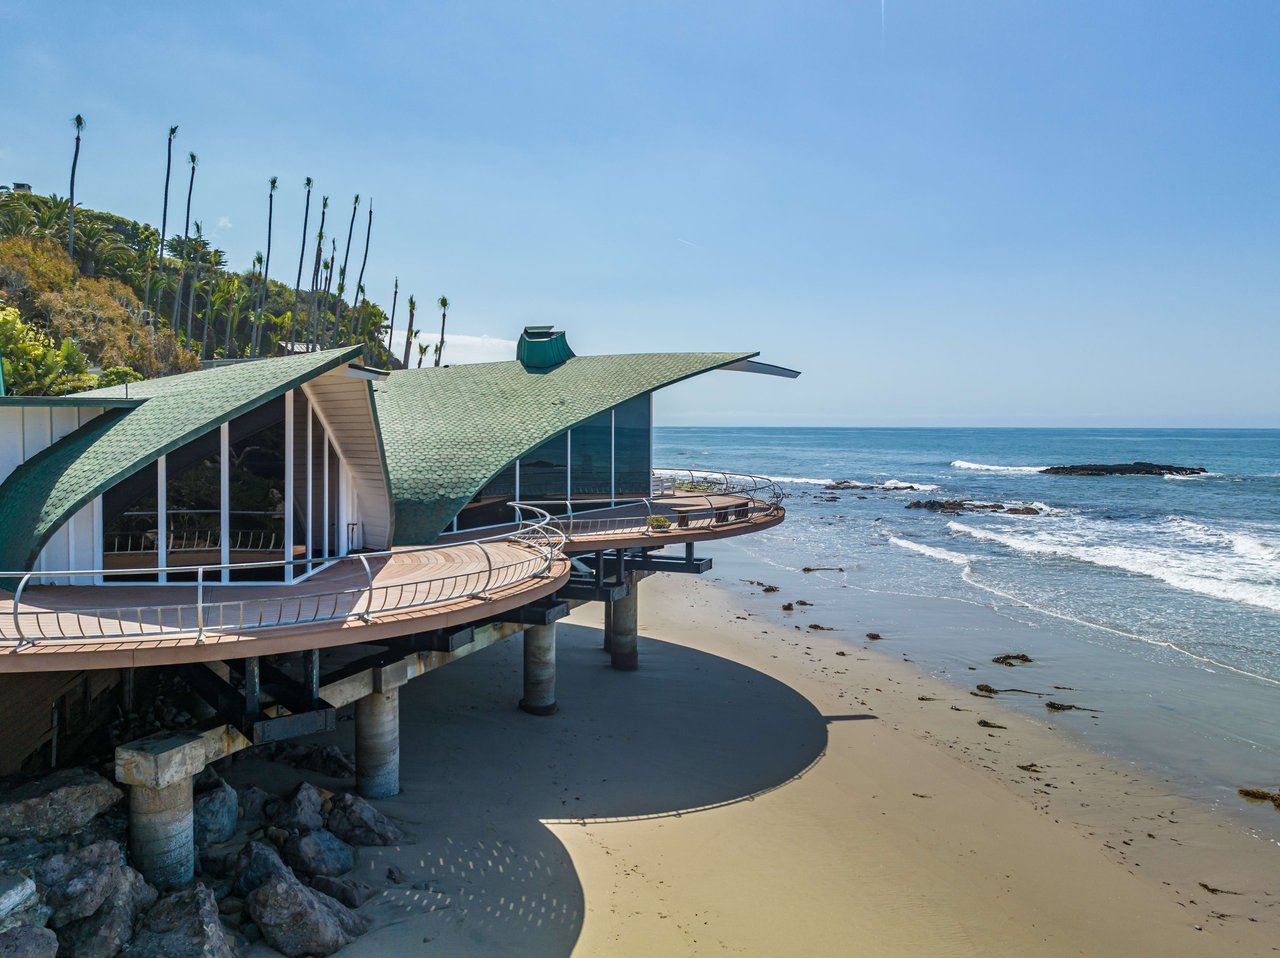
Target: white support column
539,670
162,515
161,836
378,744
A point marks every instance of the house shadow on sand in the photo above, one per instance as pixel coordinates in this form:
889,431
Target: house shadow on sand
482,872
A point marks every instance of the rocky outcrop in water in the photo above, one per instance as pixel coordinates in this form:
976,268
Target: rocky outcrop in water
963,505
1123,469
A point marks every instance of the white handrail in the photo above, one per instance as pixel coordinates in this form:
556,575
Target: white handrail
537,534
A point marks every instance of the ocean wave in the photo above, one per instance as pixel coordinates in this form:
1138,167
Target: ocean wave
1202,475
957,558
1198,572
1241,543
800,480
982,467
894,484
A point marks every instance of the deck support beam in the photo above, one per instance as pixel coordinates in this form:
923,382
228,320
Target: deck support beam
378,743
539,670
161,838
621,635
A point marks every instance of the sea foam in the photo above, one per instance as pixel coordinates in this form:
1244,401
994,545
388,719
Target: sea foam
956,558
983,467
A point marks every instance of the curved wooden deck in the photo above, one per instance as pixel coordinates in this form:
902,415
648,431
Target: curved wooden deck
96,627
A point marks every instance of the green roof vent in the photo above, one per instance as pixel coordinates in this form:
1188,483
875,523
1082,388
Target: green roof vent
542,347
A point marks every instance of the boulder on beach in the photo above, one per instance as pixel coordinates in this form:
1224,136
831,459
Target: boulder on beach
76,884
215,812
354,820
319,853
301,812
109,929
55,804
28,941
185,923
256,864
1123,469
296,920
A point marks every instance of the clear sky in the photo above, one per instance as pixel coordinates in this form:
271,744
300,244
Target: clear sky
954,213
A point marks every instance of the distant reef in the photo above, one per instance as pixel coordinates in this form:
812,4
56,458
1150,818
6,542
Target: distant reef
1123,469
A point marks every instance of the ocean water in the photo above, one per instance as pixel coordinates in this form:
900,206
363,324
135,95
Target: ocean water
1156,598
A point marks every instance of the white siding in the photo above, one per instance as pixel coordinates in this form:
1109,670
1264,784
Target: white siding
345,405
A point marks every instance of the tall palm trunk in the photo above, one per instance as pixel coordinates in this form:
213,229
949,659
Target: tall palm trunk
408,335
391,330
291,332
329,333
444,309
313,334
186,230
78,122
191,299
365,259
266,271
346,255
164,219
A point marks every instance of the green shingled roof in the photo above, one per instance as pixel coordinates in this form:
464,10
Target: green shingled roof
448,430
53,485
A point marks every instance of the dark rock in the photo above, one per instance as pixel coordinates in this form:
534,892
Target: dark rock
395,875
253,802
1022,511
1123,469
297,921
302,812
19,902
215,813
104,933
325,759
28,941
257,863
77,883
319,853
183,925
349,891
937,505
842,484
55,804
356,821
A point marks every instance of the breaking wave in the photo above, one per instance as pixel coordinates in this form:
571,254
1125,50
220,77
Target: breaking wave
893,484
982,467
957,558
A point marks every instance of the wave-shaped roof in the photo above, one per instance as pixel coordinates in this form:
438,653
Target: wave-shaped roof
447,431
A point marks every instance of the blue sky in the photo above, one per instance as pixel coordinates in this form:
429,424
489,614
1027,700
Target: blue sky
969,213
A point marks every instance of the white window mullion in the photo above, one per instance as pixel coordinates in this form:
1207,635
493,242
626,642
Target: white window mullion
288,484
162,516
225,516
325,476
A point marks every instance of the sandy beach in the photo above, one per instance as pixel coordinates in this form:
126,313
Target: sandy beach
754,791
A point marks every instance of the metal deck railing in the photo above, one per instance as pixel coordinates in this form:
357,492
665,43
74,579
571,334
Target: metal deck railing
449,573
687,499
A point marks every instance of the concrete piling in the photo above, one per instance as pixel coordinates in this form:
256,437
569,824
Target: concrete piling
623,627
608,623
378,744
161,836
539,670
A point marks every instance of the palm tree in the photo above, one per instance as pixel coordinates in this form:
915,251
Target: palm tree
409,333
443,302
391,329
78,123
186,232
422,352
195,281
313,326
346,254
266,269
164,215
365,259
302,254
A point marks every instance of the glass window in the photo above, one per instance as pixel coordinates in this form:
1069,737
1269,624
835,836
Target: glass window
130,523
544,472
590,454
256,474
319,543
489,506
632,448
195,503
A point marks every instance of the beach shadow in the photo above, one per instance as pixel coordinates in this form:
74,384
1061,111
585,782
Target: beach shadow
481,781
864,717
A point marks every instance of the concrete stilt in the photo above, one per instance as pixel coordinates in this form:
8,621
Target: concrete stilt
622,636
539,670
608,623
378,744
161,837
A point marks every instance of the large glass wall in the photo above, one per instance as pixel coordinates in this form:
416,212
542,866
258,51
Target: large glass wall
633,448
608,456
591,458
227,497
257,475
131,522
